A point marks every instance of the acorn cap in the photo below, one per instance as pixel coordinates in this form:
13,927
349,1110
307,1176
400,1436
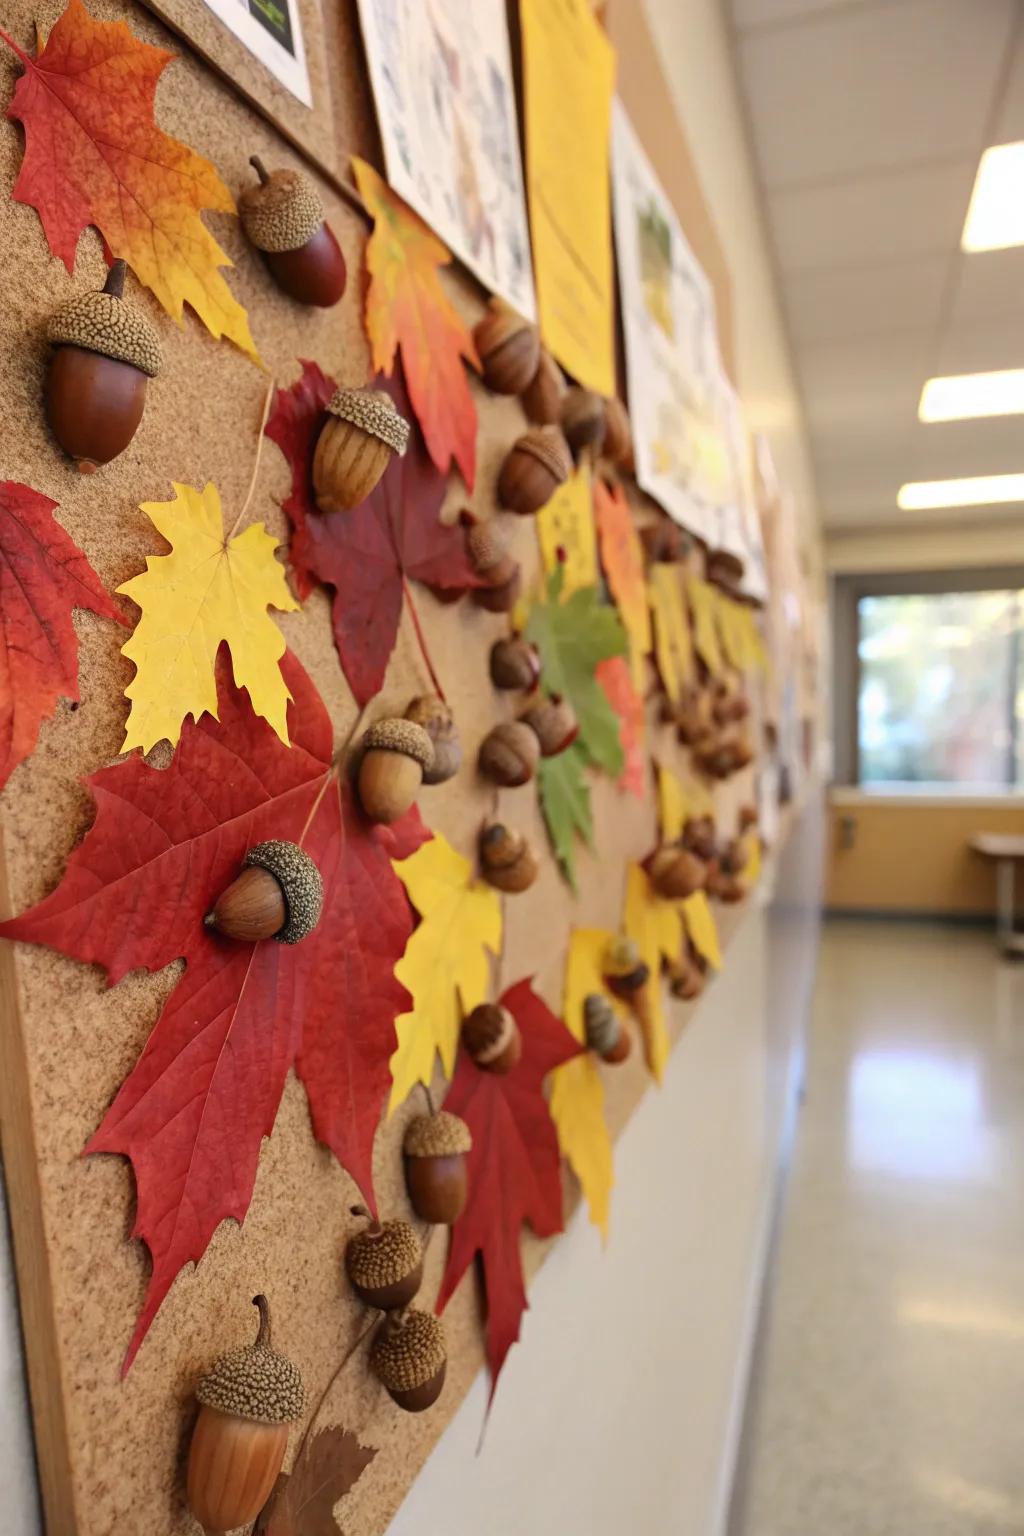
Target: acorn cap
282,212
486,545
101,322
255,1382
549,447
622,957
300,882
403,736
440,1135
372,411
406,1356
601,1023
378,1258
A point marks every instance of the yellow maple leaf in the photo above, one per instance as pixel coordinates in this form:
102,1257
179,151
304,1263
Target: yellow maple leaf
673,648
208,589
577,1088
701,926
655,925
703,599
673,805
565,529
447,962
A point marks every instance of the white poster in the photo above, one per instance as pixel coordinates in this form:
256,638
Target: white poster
739,528
271,30
442,80
672,358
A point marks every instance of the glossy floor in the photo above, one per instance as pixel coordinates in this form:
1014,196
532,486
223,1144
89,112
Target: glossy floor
888,1399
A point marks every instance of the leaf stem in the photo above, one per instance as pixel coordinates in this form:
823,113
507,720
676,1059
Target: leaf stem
22,55
421,639
250,493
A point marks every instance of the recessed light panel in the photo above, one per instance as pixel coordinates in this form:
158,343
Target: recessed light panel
995,218
974,491
962,396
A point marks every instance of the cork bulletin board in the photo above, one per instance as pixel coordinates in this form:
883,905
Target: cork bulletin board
111,1451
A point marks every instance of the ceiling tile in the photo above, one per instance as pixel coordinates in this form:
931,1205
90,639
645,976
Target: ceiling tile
881,218
863,382
1010,125
978,346
840,303
990,285
873,86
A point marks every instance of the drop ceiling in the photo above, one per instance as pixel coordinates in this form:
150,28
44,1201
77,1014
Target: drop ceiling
868,118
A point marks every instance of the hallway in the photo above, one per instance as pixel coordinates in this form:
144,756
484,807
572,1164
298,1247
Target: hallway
887,1398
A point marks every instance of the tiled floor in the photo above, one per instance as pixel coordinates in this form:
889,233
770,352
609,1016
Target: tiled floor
890,1390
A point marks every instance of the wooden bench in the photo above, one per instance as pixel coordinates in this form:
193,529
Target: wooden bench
1006,851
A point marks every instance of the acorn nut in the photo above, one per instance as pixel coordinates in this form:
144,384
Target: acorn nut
624,969
583,421
283,216
553,721
538,463
675,872
545,394
433,714
247,1401
603,1030
700,837
408,1356
509,754
355,446
507,860
500,572
515,663
105,352
664,541
436,1175
384,1263
396,755
508,347
279,895
491,1036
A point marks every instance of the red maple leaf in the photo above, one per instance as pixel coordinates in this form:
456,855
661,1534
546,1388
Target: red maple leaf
513,1167
368,554
192,1114
43,576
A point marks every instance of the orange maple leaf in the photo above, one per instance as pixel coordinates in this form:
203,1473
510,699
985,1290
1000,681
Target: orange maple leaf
407,308
94,155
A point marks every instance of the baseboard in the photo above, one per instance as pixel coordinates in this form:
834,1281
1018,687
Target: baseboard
900,915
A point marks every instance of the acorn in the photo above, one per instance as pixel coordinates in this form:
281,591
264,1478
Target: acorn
544,395
687,976
509,754
618,435
693,715
433,714
724,568
553,721
384,1262
583,421
700,837
508,347
279,895
664,541
507,859
724,884
395,756
628,975
489,556
436,1175
284,218
105,353
747,816
603,1030
675,872
408,1356
247,1402
356,442
538,463
491,1036
515,663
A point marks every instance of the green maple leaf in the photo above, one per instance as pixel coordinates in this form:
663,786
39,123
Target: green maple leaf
573,637
565,802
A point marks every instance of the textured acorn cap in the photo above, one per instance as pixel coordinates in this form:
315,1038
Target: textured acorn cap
440,1135
601,1023
102,323
300,882
406,1356
486,545
549,447
255,1383
373,412
622,957
403,736
377,1259
282,212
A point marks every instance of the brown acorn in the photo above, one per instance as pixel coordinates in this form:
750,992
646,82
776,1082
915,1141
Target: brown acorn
384,1262
747,817
693,715
664,541
628,975
515,663
544,395
509,754
507,859
538,463
409,1357
508,347
583,421
687,976
247,1402
675,872
491,1036
356,442
284,218
433,714
603,1030
724,568
279,895
395,756
490,558
436,1176
724,884
105,352
554,722
700,836
618,435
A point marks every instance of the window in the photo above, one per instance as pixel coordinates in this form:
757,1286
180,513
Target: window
940,690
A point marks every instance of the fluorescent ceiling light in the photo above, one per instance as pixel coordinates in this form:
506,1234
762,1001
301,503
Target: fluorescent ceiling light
995,218
962,395
974,491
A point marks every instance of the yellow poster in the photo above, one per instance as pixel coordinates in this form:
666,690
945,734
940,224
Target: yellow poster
569,76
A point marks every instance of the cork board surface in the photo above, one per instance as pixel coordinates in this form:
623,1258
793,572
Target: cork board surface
111,1452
